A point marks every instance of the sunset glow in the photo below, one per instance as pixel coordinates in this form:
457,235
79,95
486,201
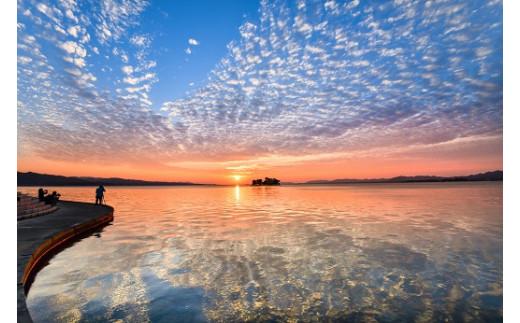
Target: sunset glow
229,91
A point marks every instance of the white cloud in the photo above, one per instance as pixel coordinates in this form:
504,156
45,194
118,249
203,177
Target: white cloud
145,87
73,48
145,101
361,63
106,33
483,51
44,9
29,39
140,40
187,51
314,49
73,31
128,70
137,80
24,60
130,97
60,30
73,71
353,4
116,16
247,30
254,59
88,77
193,42
42,75
332,6
302,26
392,52
150,64
85,39
70,15
80,62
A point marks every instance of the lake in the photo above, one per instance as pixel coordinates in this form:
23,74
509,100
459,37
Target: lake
416,252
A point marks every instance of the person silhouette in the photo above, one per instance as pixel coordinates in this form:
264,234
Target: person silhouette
52,199
99,194
41,194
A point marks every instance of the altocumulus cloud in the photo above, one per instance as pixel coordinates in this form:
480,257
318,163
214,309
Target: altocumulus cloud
316,77
310,77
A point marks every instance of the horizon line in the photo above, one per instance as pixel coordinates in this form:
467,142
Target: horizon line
252,178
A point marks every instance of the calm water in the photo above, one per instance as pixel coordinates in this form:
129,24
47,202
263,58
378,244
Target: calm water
382,252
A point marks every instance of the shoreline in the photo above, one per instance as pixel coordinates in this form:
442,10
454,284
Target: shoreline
41,237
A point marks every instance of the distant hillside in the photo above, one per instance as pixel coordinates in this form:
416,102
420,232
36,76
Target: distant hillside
35,179
489,176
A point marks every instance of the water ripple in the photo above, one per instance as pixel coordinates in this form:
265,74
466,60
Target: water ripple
340,253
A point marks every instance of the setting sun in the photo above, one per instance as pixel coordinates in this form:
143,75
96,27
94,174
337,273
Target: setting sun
237,177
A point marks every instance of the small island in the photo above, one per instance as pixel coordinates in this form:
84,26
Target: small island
268,181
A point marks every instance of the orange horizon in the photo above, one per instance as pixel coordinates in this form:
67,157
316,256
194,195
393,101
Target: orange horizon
454,158
298,173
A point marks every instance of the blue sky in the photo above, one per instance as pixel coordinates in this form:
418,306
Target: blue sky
180,41
211,25
248,86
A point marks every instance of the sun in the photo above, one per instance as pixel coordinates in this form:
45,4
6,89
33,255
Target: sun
237,177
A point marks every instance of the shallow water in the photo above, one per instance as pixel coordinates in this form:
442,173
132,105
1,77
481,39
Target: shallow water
372,252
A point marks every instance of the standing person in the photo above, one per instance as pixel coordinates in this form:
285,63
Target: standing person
41,194
99,194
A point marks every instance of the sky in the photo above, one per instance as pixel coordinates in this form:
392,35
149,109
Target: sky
211,91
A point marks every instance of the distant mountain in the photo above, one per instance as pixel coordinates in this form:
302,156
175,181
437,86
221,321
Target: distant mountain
35,179
489,176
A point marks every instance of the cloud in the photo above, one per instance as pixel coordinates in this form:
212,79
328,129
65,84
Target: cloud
137,80
352,4
72,30
72,47
24,60
44,9
140,40
315,99
323,79
128,70
116,16
71,15
483,51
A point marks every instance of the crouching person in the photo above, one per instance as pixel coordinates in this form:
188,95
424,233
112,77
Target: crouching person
52,199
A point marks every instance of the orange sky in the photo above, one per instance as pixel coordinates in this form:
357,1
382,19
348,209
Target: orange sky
458,158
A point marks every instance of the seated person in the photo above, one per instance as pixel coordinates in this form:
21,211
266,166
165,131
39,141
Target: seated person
52,199
41,194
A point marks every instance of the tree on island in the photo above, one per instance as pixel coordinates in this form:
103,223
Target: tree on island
267,181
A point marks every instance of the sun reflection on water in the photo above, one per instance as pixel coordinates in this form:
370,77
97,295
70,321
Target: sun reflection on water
344,253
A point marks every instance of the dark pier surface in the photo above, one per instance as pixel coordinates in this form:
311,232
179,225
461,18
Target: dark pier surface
40,237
